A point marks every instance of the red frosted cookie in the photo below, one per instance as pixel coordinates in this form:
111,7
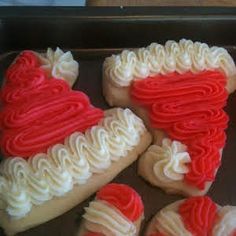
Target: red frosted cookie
58,148
116,210
195,216
179,90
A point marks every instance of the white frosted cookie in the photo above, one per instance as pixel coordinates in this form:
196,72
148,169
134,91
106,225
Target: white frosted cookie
116,210
179,89
58,148
193,216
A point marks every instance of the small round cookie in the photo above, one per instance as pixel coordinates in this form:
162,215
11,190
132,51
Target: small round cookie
116,210
195,216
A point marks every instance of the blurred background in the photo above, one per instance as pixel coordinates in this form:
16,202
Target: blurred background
226,3
42,2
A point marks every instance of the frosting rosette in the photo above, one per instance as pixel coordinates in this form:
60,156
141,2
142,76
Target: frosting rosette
123,198
60,65
170,160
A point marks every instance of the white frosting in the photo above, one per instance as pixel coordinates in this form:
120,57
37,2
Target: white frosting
170,223
170,160
226,223
92,146
2,189
60,65
181,56
38,179
102,214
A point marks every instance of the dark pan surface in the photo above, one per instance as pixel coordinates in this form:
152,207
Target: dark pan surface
223,191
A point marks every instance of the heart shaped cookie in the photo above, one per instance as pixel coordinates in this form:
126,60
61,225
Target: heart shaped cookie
116,210
198,216
179,90
58,148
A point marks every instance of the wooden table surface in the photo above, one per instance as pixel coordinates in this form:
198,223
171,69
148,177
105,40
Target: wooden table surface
226,3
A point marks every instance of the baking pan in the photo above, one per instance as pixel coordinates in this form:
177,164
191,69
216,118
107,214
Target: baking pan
94,33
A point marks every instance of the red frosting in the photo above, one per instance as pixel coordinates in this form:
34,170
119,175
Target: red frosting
123,198
39,112
189,108
198,215
15,74
19,94
233,233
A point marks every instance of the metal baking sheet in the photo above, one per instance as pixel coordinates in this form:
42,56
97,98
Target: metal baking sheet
93,34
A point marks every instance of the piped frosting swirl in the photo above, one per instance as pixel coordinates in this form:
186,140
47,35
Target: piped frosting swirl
180,57
170,223
60,65
115,224
123,198
116,211
171,160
